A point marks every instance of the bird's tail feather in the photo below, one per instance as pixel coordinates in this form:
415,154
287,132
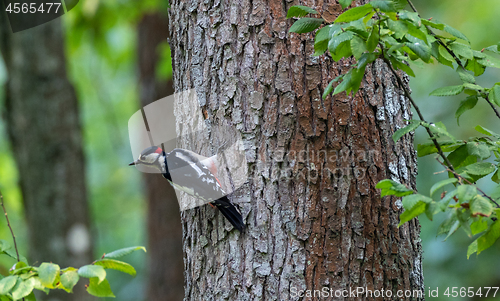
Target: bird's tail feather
232,214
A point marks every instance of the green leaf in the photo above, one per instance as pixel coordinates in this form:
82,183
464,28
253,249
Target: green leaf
496,177
481,206
467,104
12,254
383,5
69,279
4,245
335,41
463,50
39,286
408,215
432,24
410,16
373,39
447,91
465,76
474,66
354,13
489,237
489,61
306,25
23,288
356,78
494,95
329,88
400,28
399,4
90,271
464,217
343,50
478,54
30,297
439,128
366,58
455,32
48,273
480,168
473,87
100,289
7,283
454,227
123,252
465,193
413,125
390,187
472,248
450,224
299,11
485,131
442,183
344,85
445,54
421,49
478,226
447,198
493,48
321,40
403,66
432,209
425,149
416,32
409,201
358,47
478,149
345,3
116,265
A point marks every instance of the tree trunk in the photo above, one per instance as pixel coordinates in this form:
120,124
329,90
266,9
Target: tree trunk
314,218
166,269
44,130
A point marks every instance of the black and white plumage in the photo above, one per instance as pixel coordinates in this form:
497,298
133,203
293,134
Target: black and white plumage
194,174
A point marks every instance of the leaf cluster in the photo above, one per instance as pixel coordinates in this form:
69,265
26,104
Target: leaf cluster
23,279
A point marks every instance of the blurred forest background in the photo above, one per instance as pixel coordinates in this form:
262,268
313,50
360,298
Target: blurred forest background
102,43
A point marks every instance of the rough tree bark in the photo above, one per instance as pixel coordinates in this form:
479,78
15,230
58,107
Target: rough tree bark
166,269
44,129
314,216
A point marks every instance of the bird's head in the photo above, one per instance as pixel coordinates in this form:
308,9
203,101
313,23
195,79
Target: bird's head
150,157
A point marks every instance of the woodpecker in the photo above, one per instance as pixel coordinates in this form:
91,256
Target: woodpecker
196,176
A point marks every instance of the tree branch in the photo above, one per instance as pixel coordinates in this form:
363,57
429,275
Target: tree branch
10,227
469,182
417,109
457,60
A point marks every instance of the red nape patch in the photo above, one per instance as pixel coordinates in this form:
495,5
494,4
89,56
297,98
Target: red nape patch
158,150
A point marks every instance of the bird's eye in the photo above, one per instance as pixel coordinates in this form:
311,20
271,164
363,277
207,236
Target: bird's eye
143,157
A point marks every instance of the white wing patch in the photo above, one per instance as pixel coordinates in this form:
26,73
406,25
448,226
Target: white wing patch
194,166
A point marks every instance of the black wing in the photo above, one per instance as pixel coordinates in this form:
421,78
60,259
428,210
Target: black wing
189,174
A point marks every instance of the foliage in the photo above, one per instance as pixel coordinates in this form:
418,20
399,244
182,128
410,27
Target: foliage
383,30
23,279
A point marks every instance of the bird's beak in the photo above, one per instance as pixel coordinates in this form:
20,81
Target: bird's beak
133,163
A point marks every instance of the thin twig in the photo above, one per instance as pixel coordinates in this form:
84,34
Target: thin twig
10,227
417,109
469,182
457,60
492,106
